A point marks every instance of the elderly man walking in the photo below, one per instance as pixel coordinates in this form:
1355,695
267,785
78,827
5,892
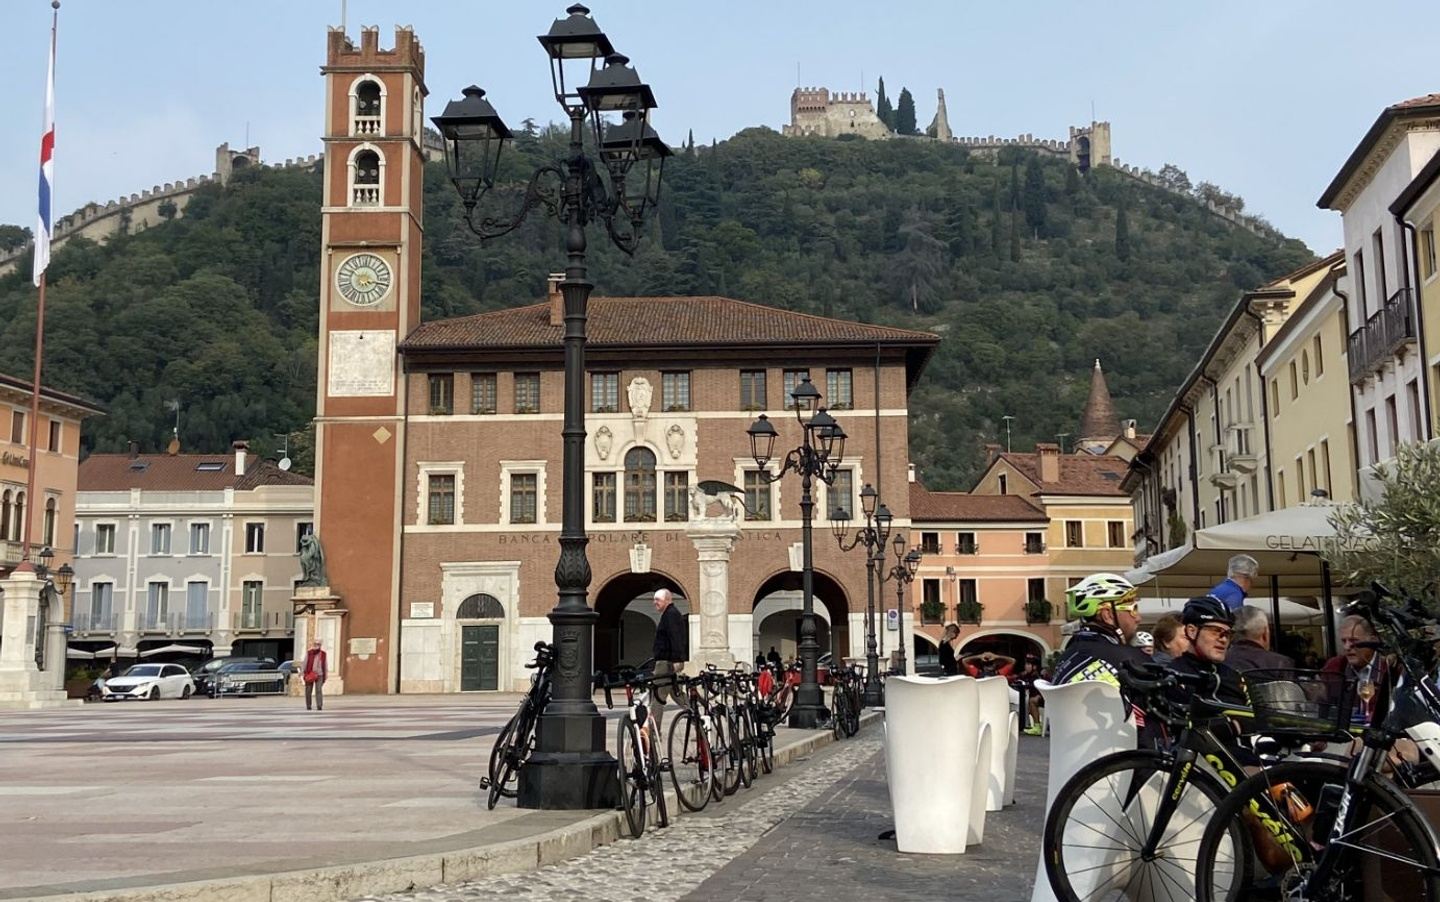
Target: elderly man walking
1251,648
1239,577
671,651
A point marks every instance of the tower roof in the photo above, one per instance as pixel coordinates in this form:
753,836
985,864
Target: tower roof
1098,422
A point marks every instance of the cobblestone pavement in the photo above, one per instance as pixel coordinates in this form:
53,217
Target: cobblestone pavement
808,831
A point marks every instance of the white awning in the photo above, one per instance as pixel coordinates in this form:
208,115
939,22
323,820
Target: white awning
174,649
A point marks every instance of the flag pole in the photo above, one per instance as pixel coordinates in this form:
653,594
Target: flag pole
47,147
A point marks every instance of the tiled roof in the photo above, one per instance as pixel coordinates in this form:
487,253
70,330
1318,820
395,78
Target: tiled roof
656,321
928,506
85,405
1422,101
1080,474
180,473
1422,105
1098,421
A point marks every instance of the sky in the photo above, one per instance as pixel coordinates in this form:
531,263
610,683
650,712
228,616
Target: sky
1265,99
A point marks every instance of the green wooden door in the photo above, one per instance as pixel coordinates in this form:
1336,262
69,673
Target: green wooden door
479,658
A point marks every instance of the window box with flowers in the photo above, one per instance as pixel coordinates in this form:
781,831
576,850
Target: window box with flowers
1038,610
931,610
969,611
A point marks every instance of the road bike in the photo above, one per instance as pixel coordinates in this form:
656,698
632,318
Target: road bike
638,748
845,701
517,738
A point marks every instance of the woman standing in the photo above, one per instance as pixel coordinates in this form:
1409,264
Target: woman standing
948,665
315,672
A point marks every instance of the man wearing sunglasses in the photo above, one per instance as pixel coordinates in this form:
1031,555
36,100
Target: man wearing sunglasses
1209,624
1108,607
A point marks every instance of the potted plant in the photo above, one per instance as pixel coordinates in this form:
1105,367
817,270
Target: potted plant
931,610
1038,610
969,611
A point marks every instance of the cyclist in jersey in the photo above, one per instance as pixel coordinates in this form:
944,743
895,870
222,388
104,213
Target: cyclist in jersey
1209,623
1108,608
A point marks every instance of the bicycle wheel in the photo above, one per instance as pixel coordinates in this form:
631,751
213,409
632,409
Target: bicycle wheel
1102,817
837,715
742,749
1387,852
632,776
749,743
654,781
766,742
852,720
511,749
727,762
691,766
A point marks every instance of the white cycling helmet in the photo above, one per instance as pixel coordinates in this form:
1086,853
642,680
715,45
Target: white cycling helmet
1143,640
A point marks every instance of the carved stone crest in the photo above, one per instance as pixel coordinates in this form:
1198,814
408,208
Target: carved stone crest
639,394
640,558
604,441
675,440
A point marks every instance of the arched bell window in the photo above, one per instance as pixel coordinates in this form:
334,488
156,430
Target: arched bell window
480,607
365,168
639,485
367,99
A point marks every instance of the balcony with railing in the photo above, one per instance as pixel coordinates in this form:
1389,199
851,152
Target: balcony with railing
174,623
1383,335
102,621
366,126
253,621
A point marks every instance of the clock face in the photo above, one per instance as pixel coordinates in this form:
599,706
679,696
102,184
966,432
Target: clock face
363,279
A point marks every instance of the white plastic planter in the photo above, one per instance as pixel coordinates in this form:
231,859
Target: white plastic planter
995,712
931,731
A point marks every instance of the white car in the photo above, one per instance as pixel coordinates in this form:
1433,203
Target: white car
150,681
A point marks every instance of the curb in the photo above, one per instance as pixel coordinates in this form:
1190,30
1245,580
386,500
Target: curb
393,875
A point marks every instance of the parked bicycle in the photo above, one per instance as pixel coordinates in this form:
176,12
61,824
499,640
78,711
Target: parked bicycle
517,738
845,703
638,747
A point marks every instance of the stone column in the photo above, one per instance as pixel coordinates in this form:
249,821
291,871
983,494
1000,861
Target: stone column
319,612
714,540
22,684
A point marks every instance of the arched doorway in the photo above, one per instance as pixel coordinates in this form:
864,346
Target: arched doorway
1082,153
1014,645
480,618
625,633
777,610
925,653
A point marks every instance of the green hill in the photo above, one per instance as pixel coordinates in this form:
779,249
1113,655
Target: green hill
1028,270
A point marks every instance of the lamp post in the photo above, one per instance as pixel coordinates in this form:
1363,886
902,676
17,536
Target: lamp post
903,573
57,581
873,535
822,448
617,184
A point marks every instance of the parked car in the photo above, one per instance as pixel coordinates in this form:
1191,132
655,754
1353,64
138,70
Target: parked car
149,681
247,678
204,674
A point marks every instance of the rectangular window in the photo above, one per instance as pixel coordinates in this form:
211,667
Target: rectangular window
54,442
1274,397
441,496
839,494
1412,395
527,392
1372,432
159,538
1377,242
604,392
1325,462
252,604
674,391
1361,287
1115,533
1301,495
197,609
1074,534
1035,589
1003,481
101,597
105,538
931,608
602,498
793,378
965,543
757,496
1294,381
302,529
199,538
1310,463
442,394
1392,424
1427,252
1034,543
1318,353
1280,487
157,605
677,497
523,489
752,389
254,538
969,591
839,394
17,427
929,543
482,392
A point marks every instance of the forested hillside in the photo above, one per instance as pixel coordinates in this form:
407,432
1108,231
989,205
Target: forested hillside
1026,268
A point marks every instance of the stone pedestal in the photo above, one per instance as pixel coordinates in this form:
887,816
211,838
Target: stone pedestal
319,612
714,539
22,684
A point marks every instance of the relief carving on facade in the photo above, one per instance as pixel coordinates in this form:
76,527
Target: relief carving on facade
675,440
604,441
640,558
639,393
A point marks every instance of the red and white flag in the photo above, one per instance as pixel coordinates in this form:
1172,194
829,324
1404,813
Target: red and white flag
47,165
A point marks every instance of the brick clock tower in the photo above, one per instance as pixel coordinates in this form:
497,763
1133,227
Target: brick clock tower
369,301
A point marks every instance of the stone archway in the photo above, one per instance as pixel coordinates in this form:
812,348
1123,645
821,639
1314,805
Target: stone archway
1013,644
776,613
625,631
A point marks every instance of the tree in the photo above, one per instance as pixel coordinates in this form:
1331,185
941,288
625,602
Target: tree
1034,198
1207,192
995,221
1072,181
690,144
13,236
905,114
882,106
1014,234
1174,178
1395,539
1122,233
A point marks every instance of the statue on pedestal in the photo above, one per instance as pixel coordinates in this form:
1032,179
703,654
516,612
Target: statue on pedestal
312,561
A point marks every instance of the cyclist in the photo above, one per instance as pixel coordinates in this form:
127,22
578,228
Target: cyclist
1209,624
1145,642
1108,607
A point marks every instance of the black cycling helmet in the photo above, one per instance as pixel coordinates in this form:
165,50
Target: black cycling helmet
1205,610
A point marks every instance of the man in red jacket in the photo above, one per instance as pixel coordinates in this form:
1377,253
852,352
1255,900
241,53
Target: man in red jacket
314,673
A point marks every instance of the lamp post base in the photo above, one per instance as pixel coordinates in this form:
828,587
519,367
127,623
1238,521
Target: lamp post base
874,696
808,717
582,775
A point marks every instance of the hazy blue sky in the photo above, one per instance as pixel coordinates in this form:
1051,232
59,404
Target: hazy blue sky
1264,97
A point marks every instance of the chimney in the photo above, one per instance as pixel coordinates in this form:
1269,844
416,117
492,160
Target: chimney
556,299
911,472
241,450
992,451
1049,454
1129,428
134,450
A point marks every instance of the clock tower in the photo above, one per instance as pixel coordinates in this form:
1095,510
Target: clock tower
369,300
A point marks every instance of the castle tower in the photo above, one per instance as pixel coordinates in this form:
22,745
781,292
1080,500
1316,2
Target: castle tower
369,300
1090,145
940,125
1099,424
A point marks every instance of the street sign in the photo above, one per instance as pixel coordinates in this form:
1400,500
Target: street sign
892,619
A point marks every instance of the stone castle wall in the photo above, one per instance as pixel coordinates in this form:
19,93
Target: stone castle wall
819,112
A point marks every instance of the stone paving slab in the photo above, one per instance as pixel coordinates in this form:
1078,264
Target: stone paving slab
205,799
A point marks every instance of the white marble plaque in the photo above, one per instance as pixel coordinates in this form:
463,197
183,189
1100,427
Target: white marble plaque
420,610
363,646
362,363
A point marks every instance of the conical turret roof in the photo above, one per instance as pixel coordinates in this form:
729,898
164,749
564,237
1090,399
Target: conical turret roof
1099,422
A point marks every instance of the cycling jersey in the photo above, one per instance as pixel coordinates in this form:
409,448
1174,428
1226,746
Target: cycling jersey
1096,653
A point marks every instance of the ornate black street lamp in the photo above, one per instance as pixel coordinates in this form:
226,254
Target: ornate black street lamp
616,184
56,584
903,573
822,448
873,535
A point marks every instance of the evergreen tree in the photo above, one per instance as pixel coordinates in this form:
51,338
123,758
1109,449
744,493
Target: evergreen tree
1072,181
1014,234
995,221
1122,232
960,231
882,106
1035,208
905,114
690,144
1014,185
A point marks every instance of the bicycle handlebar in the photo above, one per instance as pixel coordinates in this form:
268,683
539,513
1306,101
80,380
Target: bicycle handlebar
1150,679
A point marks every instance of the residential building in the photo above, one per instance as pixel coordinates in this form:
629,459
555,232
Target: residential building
986,567
1416,207
200,550
1386,365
